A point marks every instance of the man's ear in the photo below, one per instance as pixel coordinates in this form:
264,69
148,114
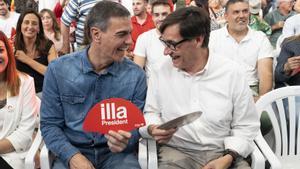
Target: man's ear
96,34
200,40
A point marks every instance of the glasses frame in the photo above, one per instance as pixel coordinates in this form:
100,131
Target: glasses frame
171,44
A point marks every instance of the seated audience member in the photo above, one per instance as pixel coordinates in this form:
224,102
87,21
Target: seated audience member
197,80
276,19
33,51
18,108
76,82
51,28
288,63
250,48
149,51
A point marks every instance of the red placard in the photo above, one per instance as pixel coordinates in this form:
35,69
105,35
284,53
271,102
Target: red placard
113,114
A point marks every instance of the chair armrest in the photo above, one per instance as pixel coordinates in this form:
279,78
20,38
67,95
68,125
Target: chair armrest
148,154
258,160
29,159
46,158
267,152
142,155
152,154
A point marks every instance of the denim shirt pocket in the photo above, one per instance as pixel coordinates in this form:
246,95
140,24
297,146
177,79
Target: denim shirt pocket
74,107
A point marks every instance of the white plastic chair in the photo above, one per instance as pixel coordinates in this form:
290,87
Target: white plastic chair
147,155
281,108
29,160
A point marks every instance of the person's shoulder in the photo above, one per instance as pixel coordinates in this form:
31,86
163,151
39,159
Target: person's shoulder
257,35
150,34
25,78
287,43
224,64
218,31
293,18
68,59
128,65
165,68
14,15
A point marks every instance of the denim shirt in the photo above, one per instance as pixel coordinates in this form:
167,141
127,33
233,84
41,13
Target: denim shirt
71,88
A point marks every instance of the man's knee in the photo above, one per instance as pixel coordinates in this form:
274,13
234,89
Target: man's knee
122,160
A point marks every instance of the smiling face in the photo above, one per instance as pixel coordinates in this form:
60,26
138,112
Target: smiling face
116,39
159,13
30,26
3,58
184,56
237,16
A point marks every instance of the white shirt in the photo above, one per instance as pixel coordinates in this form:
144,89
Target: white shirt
247,52
220,91
149,46
291,26
7,24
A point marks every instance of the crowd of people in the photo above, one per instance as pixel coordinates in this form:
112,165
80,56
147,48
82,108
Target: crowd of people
59,58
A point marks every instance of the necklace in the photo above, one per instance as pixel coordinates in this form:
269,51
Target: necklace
3,103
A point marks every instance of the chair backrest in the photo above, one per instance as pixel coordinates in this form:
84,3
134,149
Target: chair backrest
280,104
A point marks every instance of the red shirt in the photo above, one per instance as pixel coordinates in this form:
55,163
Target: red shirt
138,29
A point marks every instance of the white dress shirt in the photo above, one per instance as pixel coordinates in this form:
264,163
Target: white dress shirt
220,91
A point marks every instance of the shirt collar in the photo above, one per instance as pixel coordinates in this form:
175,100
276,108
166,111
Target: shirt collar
87,66
246,38
200,73
148,19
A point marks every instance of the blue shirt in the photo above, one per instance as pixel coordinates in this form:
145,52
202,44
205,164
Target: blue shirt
71,88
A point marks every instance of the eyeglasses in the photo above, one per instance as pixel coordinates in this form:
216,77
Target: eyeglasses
171,44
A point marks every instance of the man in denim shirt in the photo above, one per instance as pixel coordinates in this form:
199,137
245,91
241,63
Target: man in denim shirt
76,82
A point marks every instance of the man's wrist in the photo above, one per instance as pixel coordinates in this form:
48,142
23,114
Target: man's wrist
232,153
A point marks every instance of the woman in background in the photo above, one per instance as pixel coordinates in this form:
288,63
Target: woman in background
18,108
51,28
33,50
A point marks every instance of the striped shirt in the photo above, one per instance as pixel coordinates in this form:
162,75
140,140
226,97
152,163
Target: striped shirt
78,10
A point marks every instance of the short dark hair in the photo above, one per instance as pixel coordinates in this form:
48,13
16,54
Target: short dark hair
100,16
202,4
231,2
160,2
192,21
